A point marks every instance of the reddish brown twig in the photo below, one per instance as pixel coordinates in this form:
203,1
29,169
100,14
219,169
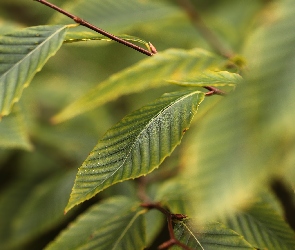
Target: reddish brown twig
170,217
214,91
101,31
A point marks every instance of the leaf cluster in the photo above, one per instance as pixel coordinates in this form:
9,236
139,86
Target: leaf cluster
101,135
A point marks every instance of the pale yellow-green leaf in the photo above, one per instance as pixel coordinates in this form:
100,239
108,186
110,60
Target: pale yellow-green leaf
174,64
245,140
210,78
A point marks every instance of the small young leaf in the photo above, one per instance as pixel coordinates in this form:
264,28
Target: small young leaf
174,64
211,78
136,145
213,236
116,223
22,54
73,36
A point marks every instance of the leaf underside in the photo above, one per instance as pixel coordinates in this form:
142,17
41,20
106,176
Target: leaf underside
136,145
22,54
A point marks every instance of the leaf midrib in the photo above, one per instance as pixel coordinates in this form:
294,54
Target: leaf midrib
136,138
33,51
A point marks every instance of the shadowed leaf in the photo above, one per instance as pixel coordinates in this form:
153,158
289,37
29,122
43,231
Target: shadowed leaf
116,223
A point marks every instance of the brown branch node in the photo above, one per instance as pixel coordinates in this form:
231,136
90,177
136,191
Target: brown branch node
170,217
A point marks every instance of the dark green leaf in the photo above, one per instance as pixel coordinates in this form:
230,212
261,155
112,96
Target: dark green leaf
22,54
136,145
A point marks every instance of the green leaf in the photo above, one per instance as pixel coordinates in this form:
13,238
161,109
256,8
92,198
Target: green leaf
136,145
115,15
22,54
13,133
149,73
73,36
116,223
209,237
211,78
240,144
263,227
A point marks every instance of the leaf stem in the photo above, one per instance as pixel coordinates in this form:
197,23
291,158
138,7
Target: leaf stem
170,217
100,31
212,39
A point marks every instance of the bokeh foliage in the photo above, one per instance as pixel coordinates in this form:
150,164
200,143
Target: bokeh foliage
222,173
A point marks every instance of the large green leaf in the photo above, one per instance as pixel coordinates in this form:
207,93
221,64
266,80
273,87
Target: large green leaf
136,145
212,236
117,223
263,227
241,143
173,64
22,54
13,133
115,15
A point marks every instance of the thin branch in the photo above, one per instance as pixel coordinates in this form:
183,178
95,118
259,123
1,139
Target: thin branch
170,217
209,36
101,31
214,91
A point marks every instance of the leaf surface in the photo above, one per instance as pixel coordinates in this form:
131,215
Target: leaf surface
136,145
116,223
73,36
211,78
22,54
149,73
212,236
262,226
